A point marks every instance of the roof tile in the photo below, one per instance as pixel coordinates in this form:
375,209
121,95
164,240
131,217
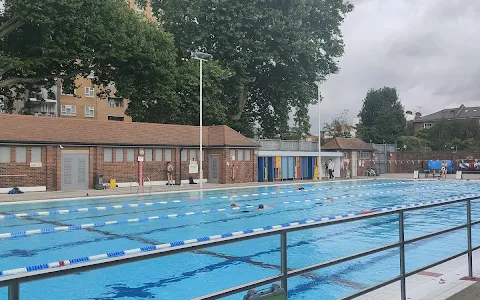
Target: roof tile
48,130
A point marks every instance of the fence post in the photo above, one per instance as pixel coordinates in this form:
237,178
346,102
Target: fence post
401,240
469,234
14,291
283,246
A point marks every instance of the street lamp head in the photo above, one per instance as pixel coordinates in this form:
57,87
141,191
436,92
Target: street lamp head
201,55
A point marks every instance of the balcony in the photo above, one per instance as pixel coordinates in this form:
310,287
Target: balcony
287,145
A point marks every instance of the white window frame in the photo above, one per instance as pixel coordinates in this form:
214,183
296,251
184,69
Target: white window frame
33,154
183,155
68,110
168,154
114,101
130,155
240,155
117,159
107,154
21,154
158,154
89,92
248,155
148,154
5,154
193,154
427,125
233,154
89,112
363,156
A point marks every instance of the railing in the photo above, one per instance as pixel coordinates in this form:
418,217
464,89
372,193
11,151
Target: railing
13,282
287,145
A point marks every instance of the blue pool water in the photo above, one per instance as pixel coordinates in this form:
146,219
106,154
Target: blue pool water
191,275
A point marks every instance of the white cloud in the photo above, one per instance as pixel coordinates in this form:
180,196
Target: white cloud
426,49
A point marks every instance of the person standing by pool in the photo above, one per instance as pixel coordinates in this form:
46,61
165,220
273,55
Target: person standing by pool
331,168
326,169
444,169
169,173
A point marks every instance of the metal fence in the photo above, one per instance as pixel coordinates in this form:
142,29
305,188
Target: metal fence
381,153
13,282
287,145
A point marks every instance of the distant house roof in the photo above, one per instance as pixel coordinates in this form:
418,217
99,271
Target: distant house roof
461,112
48,130
347,144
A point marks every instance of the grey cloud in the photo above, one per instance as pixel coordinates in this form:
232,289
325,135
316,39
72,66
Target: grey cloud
427,49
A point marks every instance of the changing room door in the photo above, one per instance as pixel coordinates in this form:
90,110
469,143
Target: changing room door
354,164
213,168
74,171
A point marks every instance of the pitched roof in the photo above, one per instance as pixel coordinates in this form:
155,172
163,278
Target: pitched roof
347,144
48,130
461,112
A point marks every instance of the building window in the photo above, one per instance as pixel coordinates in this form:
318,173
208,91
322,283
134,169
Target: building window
107,154
130,155
21,154
247,155
36,155
240,155
427,125
193,154
89,112
113,102
113,118
5,155
364,155
232,154
89,92
183,155
345,155
168,154
69,110
118,154
148,154
158,154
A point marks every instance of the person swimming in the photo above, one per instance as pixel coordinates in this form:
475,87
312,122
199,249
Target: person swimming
299,188
260,207
235,205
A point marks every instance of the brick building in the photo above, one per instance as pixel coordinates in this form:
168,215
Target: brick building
357,155
46,153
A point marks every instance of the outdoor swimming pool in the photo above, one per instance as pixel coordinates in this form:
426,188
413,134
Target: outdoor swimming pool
182,216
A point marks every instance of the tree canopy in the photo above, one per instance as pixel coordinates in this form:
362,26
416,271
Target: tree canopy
273,51
460,134
340,126
382,118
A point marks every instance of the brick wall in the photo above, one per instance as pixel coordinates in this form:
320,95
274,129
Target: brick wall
407,162
49,174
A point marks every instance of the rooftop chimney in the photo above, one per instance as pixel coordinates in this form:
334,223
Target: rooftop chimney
418,115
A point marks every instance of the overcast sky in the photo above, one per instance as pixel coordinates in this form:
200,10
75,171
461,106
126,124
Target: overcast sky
428,49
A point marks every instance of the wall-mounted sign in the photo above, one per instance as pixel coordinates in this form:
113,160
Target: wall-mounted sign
35,165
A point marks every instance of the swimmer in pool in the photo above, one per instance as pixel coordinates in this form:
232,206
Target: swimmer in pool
299,188
235,205
260,207
329,198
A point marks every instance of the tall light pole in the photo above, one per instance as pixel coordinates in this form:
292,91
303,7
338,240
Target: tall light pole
319,95
201,56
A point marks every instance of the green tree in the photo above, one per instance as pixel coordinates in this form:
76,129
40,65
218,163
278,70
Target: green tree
413,143
447,135
339,127
275,51
49,39
382,118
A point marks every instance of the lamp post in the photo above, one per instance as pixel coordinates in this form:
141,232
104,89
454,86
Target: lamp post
201,56
319,95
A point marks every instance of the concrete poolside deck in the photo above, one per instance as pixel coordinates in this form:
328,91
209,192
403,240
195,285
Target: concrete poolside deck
443,282
58,195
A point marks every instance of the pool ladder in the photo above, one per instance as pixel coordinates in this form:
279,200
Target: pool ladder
135,183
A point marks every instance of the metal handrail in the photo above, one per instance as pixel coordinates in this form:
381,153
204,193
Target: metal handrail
13,282
151,185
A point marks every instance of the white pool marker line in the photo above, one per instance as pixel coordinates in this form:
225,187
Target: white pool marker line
31,232
137,205
172,245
